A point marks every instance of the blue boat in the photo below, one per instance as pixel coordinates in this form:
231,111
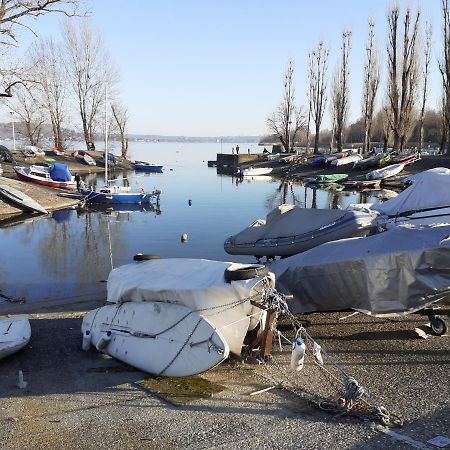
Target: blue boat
119,194
147,167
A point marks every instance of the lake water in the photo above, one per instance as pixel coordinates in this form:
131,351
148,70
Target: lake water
67,255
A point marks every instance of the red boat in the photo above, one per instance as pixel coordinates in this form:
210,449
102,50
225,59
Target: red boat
57,176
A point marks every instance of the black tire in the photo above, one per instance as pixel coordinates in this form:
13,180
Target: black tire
144,257
246,273
438,326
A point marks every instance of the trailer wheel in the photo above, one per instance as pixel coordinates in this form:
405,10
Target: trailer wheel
144,257
438,326
246,272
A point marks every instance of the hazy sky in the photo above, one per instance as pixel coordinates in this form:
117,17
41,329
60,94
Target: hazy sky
209,68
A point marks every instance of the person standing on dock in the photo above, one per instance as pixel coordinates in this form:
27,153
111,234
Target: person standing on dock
78,181
237,149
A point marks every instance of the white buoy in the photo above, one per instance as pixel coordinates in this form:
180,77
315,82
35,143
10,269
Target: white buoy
184,237
298,354
22,384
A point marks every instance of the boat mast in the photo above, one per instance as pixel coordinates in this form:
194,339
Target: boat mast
106,134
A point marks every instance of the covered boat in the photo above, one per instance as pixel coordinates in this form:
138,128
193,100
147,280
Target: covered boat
396,272
290,229
57,175
183,289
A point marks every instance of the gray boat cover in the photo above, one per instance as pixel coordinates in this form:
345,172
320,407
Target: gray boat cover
288,220
430,189
392,273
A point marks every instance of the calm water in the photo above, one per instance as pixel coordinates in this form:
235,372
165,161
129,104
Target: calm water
67,255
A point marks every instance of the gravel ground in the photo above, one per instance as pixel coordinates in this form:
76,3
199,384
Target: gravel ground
73,401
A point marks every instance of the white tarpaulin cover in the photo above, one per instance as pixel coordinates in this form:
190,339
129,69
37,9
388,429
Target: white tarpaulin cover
196,283
398,271
430,189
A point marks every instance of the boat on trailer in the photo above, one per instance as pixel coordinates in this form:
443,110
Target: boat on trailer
56,176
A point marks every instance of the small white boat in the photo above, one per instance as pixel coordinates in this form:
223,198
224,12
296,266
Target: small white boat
84,157
15,333
22,200
157,337
385,172
255,171
32,150
177,317
346,160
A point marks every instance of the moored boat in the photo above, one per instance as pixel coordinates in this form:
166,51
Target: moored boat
15,333
119,194
254,171
57,176
147,167
20,199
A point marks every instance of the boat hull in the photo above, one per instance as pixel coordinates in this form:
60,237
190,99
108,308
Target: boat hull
116,198
148,168
157,337
15,333
22,200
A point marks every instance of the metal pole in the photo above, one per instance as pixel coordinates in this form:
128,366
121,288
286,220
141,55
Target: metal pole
106,134
14,133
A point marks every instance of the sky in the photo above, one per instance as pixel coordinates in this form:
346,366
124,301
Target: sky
210,68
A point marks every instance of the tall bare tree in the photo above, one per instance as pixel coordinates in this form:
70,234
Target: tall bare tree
403,69
120,115
13,15
444,67
288,119
425,72
370,86
26,104
51,76
340,93
318,66
90,70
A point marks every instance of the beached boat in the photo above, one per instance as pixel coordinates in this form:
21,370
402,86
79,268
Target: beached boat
20,199
177,317
84,158
57,176
346,160
254,171
57,151
385,172
396,272
371,162
32,150
15,333
290,229
362,184
331,178
147,167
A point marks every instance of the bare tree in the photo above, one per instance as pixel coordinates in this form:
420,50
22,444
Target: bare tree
403,74
371,83
288,120
318,66
49,73
426,67
27,106
444,67
90,70
120,115
13,14
340,95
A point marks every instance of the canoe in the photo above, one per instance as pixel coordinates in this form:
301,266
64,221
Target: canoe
20,199
157,337
331,178
385,172
15,333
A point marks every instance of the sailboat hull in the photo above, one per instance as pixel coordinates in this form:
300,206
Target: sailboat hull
120,197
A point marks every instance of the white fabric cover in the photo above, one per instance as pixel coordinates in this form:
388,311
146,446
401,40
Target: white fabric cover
196,283
430,189
425,173
395,272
